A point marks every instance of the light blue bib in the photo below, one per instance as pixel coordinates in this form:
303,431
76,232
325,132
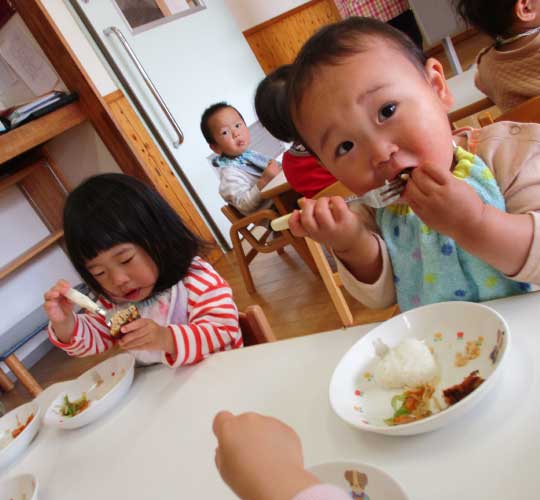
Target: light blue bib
428,266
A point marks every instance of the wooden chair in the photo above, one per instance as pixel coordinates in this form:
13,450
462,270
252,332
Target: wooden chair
241,231
255,327
331,279
469,110
527,112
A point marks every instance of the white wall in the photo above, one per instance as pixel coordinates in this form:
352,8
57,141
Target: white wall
249,13
69,27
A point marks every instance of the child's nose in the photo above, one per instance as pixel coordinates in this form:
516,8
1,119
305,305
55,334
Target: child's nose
381,152
119,277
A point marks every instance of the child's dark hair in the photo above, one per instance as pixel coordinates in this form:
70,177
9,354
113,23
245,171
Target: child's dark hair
110,209
335,42
271,104
493,17
208,113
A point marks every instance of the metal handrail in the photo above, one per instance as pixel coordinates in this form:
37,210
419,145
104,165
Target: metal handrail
113,29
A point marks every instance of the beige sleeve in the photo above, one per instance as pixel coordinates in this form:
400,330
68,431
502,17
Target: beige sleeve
376,295
513,152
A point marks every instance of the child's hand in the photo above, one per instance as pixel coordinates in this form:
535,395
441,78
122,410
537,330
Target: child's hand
146,335
60,310
259,457
446,204
328,221
271,170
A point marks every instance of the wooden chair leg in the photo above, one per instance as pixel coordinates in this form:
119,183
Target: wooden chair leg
327,275
302,250
20,371
5,382
242,262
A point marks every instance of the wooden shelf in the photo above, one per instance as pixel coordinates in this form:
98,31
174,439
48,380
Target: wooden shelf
30,253
38,131
19,175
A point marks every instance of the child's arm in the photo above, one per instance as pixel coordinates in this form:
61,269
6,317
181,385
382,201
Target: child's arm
330,221
77,334
212,318
452,207
238,189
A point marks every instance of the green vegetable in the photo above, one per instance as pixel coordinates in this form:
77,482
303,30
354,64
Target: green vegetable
72,408
397,402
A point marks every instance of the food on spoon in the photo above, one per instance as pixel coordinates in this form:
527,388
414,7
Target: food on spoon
457,392
410,364
15,432
72,408
412,405
123,317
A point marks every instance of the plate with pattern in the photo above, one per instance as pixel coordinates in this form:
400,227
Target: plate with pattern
470,343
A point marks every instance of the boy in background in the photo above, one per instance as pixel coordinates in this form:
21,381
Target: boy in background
243,173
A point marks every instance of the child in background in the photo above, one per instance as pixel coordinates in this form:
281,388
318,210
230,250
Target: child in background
366,101
509,70
129,245
243,173
302,170
261,458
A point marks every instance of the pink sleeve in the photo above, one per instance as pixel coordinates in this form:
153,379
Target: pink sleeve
322,492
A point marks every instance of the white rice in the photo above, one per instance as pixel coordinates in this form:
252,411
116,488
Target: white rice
409,364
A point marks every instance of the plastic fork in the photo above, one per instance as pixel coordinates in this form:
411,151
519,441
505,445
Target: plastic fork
376,198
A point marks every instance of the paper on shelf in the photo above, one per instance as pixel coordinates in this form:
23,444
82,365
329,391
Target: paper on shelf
25,59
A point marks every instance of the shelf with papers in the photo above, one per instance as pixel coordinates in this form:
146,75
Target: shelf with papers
38,131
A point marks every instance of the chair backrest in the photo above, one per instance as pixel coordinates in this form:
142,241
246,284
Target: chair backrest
526,112
255,326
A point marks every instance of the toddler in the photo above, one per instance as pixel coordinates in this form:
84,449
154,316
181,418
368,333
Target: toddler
366,101
509,70
243,173
129,246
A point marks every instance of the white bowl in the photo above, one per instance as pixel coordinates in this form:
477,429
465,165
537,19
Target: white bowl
357,478
104,385
11,448
23,487
446,328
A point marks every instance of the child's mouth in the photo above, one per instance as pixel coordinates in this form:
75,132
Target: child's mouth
132,295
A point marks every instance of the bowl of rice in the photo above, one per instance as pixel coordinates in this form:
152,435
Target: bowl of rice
421,370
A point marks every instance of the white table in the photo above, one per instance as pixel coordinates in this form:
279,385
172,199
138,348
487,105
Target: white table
158,444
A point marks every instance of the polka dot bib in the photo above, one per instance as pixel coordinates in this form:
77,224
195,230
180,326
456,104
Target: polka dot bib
428,266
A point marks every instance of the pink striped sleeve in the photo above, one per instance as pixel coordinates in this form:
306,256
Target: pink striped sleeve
322,492
90,336
212,317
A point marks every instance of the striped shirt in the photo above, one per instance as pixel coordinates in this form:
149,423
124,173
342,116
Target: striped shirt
383,10
212,322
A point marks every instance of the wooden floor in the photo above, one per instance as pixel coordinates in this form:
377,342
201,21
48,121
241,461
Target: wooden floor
293,298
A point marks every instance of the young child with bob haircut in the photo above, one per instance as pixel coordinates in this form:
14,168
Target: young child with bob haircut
130,246
509,70
371,107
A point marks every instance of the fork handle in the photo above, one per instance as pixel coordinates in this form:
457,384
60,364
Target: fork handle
83,301
281,223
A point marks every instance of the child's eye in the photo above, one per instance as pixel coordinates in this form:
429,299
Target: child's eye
224,132
386,112
238,125
127,260
98,274
344,148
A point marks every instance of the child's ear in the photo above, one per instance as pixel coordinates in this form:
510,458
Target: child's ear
525,11
215,148
435,76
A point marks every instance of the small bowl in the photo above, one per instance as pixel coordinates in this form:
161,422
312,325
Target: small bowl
357,479
10,447
446,328
22,487
105,385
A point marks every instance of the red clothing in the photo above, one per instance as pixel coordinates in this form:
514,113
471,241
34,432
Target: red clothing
304,173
